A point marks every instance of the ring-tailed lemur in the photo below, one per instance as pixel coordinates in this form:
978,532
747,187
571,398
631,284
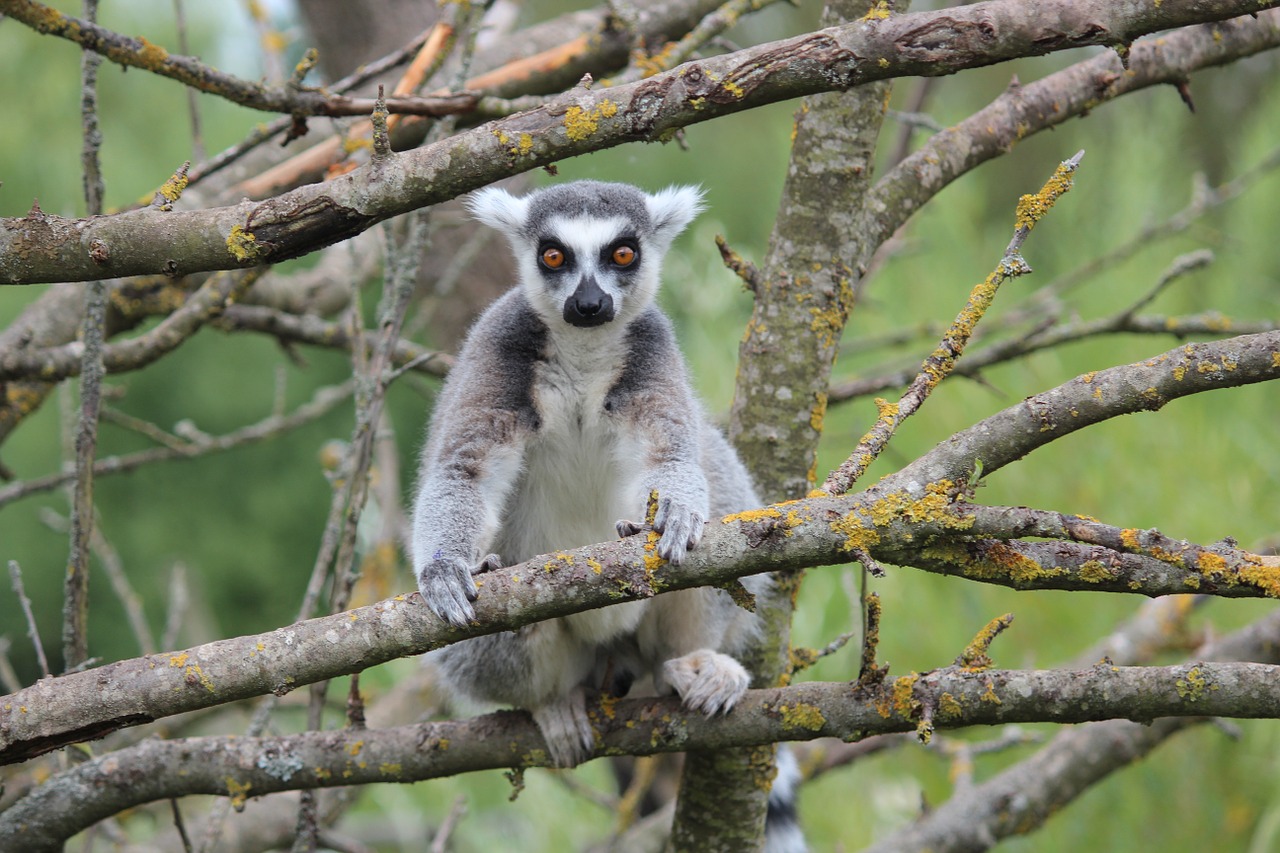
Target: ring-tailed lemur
568,404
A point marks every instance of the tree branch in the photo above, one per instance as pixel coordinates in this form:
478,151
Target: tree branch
42,248
292,99
1020,799
939,363
240,767
1023,110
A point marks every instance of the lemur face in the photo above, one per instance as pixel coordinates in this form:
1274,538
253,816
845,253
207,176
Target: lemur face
592,267
589,253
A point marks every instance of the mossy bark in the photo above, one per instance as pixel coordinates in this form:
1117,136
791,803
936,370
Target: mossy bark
803,296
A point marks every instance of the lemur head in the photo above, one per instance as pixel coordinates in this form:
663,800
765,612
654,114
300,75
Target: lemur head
589,253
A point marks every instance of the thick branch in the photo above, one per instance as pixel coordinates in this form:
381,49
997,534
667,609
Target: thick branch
1144,386
241,767
1023,110
1020,799
817,531
42,248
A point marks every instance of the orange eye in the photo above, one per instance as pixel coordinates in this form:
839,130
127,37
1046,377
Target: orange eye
552,258
624,256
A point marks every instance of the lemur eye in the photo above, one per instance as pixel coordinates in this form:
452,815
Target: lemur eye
624,255
552,257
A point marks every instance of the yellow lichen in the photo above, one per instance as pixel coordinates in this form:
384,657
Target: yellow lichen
580,124
879,12
818,413
802,658
752,515
974,658
1031,208
1094,571
1193,685
857,535
903,690
1262,573
238,793
802,715
152,55
242,245
949,708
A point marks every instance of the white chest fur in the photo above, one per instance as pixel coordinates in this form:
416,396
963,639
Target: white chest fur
580,474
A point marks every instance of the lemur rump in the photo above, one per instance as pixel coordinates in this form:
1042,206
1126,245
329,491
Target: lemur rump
568,405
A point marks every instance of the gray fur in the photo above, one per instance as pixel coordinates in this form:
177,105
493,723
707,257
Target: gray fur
546,433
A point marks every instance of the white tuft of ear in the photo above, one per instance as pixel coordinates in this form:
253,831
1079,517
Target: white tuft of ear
499,209
672,209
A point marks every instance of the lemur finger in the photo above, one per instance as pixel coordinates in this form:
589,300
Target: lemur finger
450,605
660,517
627,528
695,535
488,564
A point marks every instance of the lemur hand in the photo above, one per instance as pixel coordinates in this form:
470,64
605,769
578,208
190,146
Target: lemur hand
448,588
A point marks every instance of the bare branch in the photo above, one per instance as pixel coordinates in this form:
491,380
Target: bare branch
1026,109
939,364
321,403
195,75
60,362
75,604
42,248
241,767
1019,800
33,633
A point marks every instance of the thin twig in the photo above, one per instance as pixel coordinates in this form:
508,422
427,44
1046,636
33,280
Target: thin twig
113,567
942,360
320,404
288,98
179,824
671,55
193,104
15,578
75,614
266,132
176,608
8,675
457,811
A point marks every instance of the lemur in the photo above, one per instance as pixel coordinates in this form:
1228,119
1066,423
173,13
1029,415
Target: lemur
568,404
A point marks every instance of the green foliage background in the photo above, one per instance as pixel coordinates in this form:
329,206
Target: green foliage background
246,524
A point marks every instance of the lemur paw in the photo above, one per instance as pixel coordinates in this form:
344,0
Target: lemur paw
707,681
566,729
447,587
681,529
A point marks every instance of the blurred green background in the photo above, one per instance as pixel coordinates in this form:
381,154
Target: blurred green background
246,524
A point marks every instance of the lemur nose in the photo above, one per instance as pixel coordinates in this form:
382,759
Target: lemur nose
588,305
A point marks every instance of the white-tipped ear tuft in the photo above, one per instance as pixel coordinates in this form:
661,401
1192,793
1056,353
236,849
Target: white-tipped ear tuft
498,209
672,209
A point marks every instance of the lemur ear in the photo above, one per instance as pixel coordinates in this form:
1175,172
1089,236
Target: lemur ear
499,209
672,209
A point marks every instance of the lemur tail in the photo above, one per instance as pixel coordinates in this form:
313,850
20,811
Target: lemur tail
782,832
